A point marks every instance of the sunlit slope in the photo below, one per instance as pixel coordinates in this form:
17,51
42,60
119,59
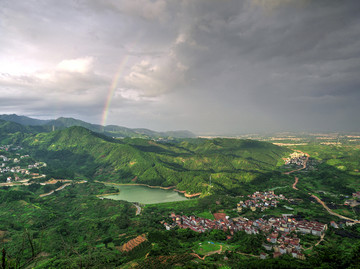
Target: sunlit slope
186,165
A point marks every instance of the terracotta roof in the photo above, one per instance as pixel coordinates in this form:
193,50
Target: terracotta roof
219,216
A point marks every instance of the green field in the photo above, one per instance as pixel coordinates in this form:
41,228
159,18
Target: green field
205,247
205,215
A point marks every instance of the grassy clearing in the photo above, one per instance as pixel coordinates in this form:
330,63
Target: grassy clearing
206,215
205,247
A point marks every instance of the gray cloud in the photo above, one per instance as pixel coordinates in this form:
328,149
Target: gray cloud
208,66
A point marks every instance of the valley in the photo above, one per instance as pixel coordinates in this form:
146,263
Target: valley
155,134
257,204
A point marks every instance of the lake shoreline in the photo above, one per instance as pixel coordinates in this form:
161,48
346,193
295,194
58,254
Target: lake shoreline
107,194
154,187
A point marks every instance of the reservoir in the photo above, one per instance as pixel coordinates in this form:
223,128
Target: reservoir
145,195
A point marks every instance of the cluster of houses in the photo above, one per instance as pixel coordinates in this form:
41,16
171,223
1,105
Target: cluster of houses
10,147
356,195
283,244
296,158
17,170
260,200
278,230
355,201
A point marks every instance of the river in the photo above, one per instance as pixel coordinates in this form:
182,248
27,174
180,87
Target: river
145,195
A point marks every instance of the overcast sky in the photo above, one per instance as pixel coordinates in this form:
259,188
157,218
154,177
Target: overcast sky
209,66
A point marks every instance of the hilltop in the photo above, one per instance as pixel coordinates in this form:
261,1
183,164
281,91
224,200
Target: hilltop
23,120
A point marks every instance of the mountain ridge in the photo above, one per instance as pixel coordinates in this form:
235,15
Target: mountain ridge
109,130
186,164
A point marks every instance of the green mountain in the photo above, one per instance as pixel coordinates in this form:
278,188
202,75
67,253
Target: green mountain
12,132
23,120
109,130
188,165
118,131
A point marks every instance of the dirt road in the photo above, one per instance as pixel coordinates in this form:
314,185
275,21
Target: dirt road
138,209
303,167
330,211
210,253
296,182
315,197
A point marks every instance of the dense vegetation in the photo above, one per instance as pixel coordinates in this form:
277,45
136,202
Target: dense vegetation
73,228
64,229
186,164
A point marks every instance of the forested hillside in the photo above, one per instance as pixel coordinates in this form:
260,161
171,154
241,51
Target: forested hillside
186,164
11,132
62,230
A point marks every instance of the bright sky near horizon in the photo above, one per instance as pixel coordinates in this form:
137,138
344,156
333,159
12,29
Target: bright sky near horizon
211,67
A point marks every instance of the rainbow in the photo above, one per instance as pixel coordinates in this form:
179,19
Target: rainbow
112,88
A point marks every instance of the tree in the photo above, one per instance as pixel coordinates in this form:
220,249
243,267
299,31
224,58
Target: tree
218,235
34,187
107,240
122,221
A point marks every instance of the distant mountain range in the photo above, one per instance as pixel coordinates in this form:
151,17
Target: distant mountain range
109,130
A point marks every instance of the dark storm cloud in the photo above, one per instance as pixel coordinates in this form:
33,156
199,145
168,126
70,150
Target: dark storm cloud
208,66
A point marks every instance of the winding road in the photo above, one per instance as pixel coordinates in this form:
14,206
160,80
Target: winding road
296,182
303,167
138,209
314,196
332,212
58,189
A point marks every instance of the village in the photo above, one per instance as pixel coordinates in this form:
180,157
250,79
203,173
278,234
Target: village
11,165
354,201
261,200
281,232
297,158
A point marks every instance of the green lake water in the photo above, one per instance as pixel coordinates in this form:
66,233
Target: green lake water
145,195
